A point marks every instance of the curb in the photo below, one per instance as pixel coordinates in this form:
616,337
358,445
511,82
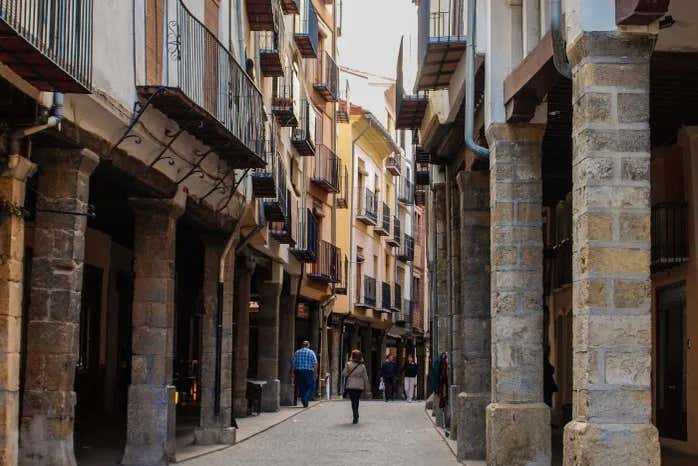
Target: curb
440,432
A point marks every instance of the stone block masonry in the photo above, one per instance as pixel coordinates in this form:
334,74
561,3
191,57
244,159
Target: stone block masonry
244,269
48,411
518,422
612,344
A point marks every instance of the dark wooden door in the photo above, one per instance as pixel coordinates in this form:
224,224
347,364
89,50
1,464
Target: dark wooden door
671,362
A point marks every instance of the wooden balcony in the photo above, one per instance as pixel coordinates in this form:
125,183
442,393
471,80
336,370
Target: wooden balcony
48,43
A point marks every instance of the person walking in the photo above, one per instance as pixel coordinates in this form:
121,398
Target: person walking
410,374
389,374
355,381
305,370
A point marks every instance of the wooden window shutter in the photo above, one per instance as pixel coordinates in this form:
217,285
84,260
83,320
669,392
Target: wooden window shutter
154,40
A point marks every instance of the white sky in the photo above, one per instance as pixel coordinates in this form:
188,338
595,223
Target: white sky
371,31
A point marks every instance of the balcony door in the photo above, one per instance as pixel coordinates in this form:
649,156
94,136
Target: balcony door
671,362
210,72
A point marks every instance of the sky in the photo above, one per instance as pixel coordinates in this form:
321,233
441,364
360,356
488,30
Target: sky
371,31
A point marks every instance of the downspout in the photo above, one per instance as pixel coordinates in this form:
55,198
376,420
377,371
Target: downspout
241,39
559,53
470,86
54,121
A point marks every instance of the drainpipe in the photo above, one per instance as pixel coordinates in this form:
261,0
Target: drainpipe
241,39
470,85
54,121
559,53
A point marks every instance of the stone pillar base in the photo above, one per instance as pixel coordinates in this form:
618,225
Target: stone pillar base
471,425
591,444
150,437
270,396
454,411
518,434
287,392
240,406
214,436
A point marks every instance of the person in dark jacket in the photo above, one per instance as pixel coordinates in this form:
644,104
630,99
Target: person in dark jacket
389,374
409,370
355,381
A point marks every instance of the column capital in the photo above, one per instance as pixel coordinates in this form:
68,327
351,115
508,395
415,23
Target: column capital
515,132
82,160
19,168
611,47
173,207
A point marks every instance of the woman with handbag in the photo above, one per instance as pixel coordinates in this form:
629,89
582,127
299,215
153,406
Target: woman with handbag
355,381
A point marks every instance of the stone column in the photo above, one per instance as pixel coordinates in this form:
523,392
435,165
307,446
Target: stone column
367,348
336,362
442,265
612,344
457,357
150,435
241,339
48,408
12,189
472,340
518,422
214,427
268,348
287,339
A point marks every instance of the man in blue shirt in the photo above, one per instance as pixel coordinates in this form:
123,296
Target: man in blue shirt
304,369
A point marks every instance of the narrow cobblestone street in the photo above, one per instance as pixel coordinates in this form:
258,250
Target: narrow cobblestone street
387,433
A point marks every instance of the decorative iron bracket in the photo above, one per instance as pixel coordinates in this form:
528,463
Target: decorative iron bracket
91,213
138,111
173,135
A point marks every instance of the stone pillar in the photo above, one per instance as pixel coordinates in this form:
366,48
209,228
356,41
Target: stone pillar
151,421
214,427
241,339
12,190
472,323
518,422
287,339
268,348
336,362
612,344
367,349
442,265
48,408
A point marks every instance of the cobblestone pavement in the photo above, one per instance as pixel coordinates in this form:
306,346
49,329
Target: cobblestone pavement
387,434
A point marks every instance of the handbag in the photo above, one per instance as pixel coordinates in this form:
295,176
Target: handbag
381,385
344,395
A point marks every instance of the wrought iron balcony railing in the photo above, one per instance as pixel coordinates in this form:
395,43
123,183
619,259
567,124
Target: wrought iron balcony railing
343,109
367,209
327,267
306,30
283,229
394,239
367,293
393,164
327,77
306,246
409,109
397,298
669,234
386,300
406,251
326,173
383,226
421,155
260,14
340,286
405,191
420,196
284,101
303,135
48,42
421,175
441,42
198,83
263,179
343,192
270,44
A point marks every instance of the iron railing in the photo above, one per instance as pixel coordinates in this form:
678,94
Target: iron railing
441,23
669,234
326,173
397,298
303,135
340,286
393,164
284,98
385,296
385,214
62,30
405,191
327,77
328,263
284,230
397,234
343,191
406,251
306,29
306,246
368,207
369,296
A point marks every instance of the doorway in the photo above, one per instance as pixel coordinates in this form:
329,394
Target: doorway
671,362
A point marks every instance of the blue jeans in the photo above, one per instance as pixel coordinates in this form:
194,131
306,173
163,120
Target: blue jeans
305,379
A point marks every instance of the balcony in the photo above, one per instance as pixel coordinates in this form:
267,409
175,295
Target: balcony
48,43
260,14
397,299
421,155
420,196
342,197
327,78
290,7
403,316
441,42
326,173
367,293
409,109
344,107
386,301
305,249
405,193
421,175
383,227
284,106
270,44
305,30
393,165
340,286
197,82
264,179
394,240
367,208
303,136
669,235
327,266
406,251
283,228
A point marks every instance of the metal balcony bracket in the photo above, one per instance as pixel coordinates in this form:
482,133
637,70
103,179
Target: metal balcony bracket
219,186
138,111
196,167
173,135
91,214
233,189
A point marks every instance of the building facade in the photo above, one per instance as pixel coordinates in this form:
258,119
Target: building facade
556,142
